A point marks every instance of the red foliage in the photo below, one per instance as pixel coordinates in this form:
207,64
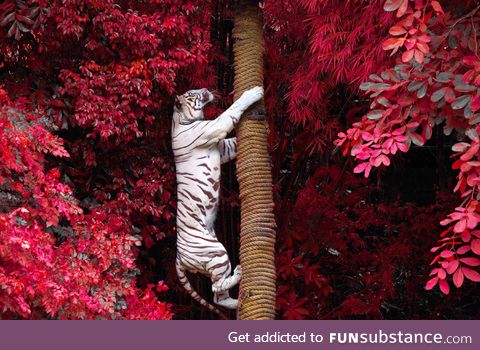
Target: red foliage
354,257
56,261
434,82
379,253
97,73
317,45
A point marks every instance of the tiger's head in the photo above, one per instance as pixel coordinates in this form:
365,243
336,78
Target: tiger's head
191,104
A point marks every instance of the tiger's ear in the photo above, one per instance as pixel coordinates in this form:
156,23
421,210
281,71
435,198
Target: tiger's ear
178,102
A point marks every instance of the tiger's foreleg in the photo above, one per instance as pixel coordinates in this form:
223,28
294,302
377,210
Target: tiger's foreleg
219,128
228,149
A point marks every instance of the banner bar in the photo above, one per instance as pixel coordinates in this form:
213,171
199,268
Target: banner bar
224,335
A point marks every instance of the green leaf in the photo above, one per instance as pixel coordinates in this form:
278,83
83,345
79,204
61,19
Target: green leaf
375,78
381,86
416,139
392,5
452,42
7,19
415,85
366,86
462,87
461,102
475,120
444,77
438,95
422,91
472,134
384,101
375,114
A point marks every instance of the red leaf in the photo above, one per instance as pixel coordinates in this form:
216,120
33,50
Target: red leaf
407,56
471,274
475,103
471,261
458,278
393,43
437,7
470,153
434,249
466,236
432,283
460,226
397,30
423,47
419,56
360,168
452,266
382,159
444,287
424,38
403,8
161,287
446,254
410,43
463,249
476,246
445,232
470,60
468,76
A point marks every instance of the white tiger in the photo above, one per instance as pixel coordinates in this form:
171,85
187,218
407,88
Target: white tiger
200,147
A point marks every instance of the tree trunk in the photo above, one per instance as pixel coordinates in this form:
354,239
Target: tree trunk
257,230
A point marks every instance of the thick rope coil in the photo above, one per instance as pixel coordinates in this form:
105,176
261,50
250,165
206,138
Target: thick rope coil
257,230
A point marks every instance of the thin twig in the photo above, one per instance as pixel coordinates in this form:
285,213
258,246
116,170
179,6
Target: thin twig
474,37
470,14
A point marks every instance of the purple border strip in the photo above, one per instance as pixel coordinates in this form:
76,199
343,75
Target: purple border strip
118,335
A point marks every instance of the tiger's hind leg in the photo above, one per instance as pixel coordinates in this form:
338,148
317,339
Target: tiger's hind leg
225,283
220,269
221,295
223,299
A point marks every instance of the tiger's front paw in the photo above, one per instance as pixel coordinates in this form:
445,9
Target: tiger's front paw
252,96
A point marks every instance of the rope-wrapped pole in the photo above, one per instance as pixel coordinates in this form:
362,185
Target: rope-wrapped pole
257,230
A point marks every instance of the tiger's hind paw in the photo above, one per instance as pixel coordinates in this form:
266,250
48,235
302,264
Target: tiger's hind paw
228,303
225,284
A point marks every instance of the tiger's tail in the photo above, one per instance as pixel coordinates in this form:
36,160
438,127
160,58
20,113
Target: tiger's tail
188,287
